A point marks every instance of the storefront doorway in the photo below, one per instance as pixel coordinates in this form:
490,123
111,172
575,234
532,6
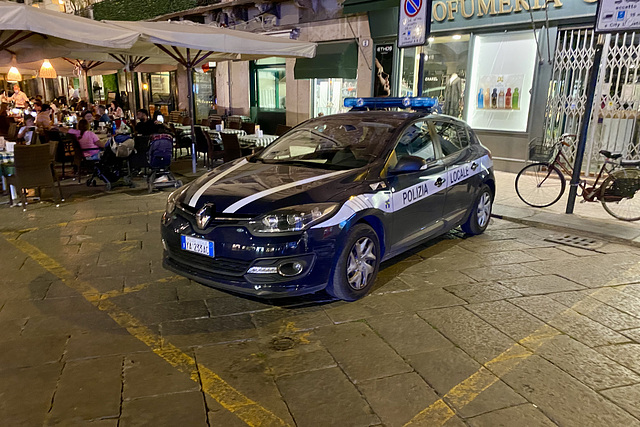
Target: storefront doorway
329,95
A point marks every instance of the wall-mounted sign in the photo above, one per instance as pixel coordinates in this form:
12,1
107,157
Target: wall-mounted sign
618,15
414,22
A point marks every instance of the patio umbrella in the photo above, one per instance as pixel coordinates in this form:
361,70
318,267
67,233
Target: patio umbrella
190,44
29,34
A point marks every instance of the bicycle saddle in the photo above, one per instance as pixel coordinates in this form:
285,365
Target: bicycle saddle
610,155
631,163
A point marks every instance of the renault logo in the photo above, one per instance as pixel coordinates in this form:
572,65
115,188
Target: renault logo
204,215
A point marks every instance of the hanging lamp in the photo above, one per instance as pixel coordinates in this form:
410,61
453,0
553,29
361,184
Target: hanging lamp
47,71
14,75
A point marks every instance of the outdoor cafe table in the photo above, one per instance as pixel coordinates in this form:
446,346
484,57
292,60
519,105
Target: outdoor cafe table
256,141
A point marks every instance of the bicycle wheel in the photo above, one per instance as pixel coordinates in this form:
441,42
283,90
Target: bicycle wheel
620,194
540,185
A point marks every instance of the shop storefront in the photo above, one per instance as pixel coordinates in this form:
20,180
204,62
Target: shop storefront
268,92
483,62
333,73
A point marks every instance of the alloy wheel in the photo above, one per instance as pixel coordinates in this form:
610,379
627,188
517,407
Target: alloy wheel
484,209
361,263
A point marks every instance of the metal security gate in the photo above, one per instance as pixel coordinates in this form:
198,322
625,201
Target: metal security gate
572,62
617,99
613,124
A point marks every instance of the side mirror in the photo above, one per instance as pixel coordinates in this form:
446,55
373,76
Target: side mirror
408,164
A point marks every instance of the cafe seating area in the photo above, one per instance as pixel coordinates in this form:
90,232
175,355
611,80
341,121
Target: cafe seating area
25,170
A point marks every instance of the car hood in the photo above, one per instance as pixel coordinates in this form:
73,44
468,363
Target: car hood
247,188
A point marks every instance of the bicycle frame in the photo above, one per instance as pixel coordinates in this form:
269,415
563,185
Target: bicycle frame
590,194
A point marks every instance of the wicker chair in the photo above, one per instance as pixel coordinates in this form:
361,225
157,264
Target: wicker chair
215,150
202,144
282,129
234,124
33,169
249,128
231,145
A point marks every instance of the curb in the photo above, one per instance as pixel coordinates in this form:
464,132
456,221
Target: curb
563,226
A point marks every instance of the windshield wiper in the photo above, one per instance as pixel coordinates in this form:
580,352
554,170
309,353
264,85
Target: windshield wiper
321,135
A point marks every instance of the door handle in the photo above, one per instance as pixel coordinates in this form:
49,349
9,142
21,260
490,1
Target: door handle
439,182
474,166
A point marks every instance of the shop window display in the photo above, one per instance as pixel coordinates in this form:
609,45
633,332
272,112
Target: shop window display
444,72
329,95
501,80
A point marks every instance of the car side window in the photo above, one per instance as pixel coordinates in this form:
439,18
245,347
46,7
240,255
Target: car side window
453,137
416,141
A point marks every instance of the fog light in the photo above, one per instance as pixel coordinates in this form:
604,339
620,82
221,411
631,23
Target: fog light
263,270
290,268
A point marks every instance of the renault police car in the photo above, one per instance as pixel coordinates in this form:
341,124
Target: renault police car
324,204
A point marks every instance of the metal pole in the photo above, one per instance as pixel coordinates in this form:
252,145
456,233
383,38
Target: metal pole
191,112
420,72
584,127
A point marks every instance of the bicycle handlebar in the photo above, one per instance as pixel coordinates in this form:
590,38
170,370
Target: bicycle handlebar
565,136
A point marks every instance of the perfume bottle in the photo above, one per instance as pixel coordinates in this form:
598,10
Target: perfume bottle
487,96
501,99
507,99
515,101
494,98
480,99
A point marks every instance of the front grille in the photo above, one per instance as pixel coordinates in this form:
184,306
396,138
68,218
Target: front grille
222,266
217,218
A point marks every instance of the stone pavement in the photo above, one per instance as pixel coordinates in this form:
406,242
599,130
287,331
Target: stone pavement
505,329
590,218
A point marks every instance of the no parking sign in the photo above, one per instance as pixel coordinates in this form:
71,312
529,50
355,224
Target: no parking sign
415,22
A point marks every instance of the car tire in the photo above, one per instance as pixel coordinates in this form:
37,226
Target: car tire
480,213
362,248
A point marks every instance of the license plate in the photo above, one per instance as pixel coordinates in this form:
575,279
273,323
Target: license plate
198,246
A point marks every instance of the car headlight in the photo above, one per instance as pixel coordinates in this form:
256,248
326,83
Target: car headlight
294,218
172,200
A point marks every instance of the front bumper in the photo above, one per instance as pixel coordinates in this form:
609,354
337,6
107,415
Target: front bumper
237,251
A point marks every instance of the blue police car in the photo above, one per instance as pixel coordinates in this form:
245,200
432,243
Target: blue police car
324,204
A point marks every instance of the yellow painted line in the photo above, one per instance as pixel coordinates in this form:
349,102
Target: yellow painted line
88,220
131,289
252,413
462,394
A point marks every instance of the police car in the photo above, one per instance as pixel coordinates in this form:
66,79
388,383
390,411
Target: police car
324,204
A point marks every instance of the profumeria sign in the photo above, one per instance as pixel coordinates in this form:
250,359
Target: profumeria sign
451,14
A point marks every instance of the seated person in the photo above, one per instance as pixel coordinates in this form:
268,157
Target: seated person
44,118
115,111
5,121
25,134
90,118
103,117
145,126
89,141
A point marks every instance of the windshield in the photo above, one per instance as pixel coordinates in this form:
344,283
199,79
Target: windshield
339,142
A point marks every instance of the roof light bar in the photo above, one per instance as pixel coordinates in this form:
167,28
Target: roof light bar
415,103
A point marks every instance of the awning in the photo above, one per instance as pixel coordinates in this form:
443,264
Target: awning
358,6
332,60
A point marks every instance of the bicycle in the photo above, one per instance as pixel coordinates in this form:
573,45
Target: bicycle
542,184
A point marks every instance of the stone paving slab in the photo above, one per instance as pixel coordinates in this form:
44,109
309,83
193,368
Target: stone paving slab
437,315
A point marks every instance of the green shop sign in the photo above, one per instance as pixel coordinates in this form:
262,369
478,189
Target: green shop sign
451,15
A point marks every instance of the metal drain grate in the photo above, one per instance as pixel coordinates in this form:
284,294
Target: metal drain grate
282,343
576,241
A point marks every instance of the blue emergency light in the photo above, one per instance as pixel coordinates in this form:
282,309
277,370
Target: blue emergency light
414,103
